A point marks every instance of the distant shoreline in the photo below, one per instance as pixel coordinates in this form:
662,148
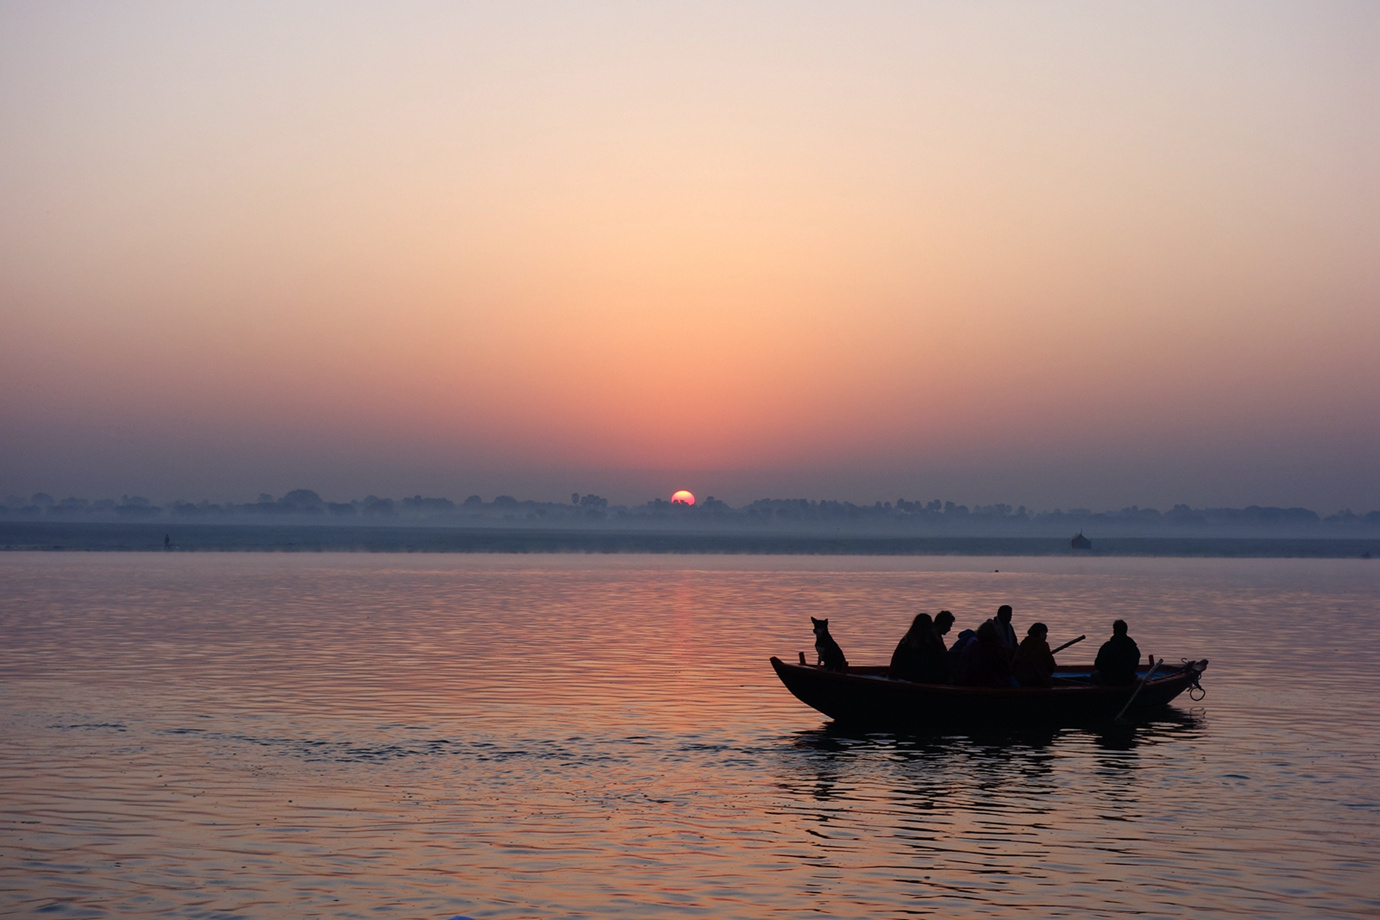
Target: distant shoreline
25,536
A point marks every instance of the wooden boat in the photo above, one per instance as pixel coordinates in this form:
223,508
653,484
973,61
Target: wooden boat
865,695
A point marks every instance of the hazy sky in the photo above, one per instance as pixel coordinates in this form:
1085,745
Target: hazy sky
1063,254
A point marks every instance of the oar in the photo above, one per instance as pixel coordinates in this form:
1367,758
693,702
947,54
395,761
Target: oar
1154,666
1067,644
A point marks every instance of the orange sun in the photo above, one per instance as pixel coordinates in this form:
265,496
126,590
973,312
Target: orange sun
683,497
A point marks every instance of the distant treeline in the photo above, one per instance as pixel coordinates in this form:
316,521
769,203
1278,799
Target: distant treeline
302,506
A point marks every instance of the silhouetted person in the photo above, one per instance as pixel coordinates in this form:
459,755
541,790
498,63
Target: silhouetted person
943,622
905,661
1117,659
920,655
962,656
989,664
1034,664
1005,631
167,541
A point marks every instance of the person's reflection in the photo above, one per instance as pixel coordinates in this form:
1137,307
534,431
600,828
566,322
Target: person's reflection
1127,735
1118,753
1116,737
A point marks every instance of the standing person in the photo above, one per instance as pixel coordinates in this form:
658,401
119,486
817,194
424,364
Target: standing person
1034,664
1005,632
1117,659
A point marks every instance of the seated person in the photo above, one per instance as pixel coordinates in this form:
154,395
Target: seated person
943,622
1034,664
1117,659
962,655
919,656
989,664
904,660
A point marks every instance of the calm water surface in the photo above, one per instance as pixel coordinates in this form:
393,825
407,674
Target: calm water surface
263,736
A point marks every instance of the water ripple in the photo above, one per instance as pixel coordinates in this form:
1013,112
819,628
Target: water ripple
548,737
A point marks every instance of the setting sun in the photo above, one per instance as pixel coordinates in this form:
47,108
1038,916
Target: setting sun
683,497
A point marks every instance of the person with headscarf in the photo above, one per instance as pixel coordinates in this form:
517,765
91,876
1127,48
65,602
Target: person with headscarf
920,656
1034,663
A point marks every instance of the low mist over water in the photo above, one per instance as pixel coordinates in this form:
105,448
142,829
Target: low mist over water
593,512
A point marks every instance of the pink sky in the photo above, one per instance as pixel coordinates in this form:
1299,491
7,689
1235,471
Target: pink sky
1068,255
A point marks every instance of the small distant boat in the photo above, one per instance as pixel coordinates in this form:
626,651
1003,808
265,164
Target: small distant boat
865,695
1080,541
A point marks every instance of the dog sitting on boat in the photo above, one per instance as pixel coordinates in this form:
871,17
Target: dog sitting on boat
830,655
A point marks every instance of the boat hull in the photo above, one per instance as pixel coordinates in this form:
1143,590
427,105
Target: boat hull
866,696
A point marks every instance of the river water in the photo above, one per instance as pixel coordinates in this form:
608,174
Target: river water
429,736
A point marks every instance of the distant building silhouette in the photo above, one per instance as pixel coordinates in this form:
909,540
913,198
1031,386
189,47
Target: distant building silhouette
1080,541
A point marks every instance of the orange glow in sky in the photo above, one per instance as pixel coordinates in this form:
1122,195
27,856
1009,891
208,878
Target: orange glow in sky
683,497
1090,255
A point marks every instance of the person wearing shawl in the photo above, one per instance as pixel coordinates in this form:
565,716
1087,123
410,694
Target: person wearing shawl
989,662
1034,664
920,654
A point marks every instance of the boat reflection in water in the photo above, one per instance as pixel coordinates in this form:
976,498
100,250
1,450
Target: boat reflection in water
992,817
1010,748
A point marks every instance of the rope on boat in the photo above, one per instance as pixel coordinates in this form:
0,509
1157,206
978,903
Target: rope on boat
1195,686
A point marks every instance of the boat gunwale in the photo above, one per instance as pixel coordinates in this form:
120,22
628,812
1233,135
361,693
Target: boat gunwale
878,672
